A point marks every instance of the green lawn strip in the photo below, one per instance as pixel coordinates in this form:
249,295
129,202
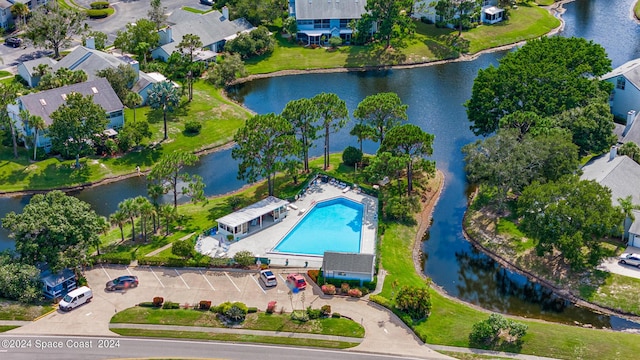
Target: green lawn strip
220,119
10,310
525,22
544,2
236,338
4,73
636,9
617,292
255,321
197,11
471,356
451,321
4,328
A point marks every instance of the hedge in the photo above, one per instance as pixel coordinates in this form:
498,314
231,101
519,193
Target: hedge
98,13
114,258
370,285
99,5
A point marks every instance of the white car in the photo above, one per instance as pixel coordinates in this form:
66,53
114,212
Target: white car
268,278
630,259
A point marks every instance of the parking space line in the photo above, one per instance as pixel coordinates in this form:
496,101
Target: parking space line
181,278
282,278
157,278
257,283
129,271
234,284
105,271
212,288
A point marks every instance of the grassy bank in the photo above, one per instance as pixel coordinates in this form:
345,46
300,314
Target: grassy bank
4,328
275,340
10,310
220,119
636,10
451,321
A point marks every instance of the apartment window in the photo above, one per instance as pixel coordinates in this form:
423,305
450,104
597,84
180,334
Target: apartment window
321,24
621,83
305,22
344,23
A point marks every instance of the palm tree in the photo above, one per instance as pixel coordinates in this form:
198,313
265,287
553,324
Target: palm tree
169,213
119,218
146,211
36,123
163,95
130,209
155,191
133,100
20,11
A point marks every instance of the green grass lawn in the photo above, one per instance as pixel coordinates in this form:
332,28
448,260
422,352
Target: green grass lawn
11,310
4,328
255,321
220,119
525,22
636,9
275,340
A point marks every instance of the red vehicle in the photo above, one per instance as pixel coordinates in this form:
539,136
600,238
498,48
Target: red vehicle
296,281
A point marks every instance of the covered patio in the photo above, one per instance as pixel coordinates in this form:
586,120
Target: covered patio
253,218
492,14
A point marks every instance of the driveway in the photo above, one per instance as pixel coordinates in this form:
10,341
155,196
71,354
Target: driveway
613,266
385,333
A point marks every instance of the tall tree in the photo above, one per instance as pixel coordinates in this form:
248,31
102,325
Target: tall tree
263,145
302,114
76,124
8,95
61,77
571,216
54,228
168,172
333,115
138,38
391,16
36,124
118,218
189,45
381,112
591,126
99,39
226,71
129,209
20,11
156,14
410,143
132,100
146,211
53,27
169,214
120,78
163,95
545,76
361,132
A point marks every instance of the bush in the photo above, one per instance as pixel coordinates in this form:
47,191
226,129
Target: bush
326,310
192,126
122,258
314,314
237,312
205,304
414,301
183,248
147,304
329,289
157,301
313,275
355,293
244,258
299,315
336,315
252,309
344,288
351,156
171,305
271,307
97,13
99,5
335,41
495,330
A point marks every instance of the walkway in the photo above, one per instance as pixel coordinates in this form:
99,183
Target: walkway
158,251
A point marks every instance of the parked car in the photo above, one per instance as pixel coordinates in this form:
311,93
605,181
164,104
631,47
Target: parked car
13,42
268,278
631,259
76,298
296,281
207,2
122,282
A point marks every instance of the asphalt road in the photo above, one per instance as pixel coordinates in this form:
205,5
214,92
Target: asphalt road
70,348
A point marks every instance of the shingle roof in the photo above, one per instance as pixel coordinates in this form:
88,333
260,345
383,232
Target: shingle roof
89,60
45,102
211,27
4,4
633,135
630,70
635,226
348,262
621,175
52,280
32,64
329,9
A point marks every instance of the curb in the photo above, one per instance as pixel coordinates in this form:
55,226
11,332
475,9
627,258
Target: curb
55,308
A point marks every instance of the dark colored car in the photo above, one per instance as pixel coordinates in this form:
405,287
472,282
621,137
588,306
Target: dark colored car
207,2
13,42
122,282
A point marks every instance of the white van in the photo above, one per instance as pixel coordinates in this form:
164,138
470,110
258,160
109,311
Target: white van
76,298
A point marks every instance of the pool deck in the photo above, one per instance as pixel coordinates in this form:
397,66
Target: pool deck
261,243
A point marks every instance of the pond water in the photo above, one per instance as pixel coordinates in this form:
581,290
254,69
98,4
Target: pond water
435,96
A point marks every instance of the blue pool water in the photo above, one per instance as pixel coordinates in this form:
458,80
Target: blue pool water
333,225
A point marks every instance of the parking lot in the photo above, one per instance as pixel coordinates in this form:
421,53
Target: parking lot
184,286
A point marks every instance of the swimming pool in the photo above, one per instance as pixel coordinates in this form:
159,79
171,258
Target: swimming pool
332,225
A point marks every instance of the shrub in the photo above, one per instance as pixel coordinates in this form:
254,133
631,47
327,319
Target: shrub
271,307
495,330
344,288
244,258
314,313
99,5
237,312
192,126
147,304
414,301
219,262
329,289
182,248
355,293
157,301
326,310
221,308
123,258
252,309
313,275
335,41
336,315
205,304
299,315
97,13
171,305
351,156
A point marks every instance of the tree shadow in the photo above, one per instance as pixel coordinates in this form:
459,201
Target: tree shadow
143,158
61,172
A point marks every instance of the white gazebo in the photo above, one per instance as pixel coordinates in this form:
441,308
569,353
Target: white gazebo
253,217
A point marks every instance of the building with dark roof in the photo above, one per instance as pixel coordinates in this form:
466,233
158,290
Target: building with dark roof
46,102
328,18
348,266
